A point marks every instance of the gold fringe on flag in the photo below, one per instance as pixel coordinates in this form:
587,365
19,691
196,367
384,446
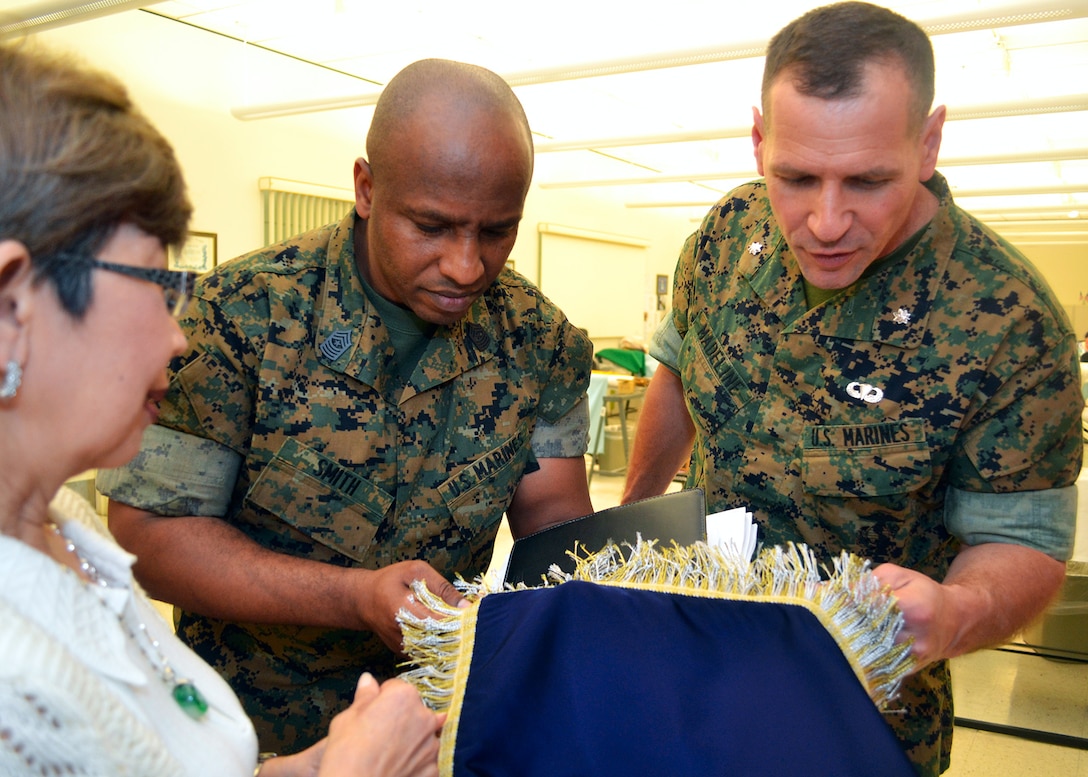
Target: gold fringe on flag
850,602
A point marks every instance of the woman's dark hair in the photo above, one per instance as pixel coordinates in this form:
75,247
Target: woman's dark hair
77,159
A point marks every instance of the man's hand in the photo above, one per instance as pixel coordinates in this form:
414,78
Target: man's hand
926,612
991,591
385,591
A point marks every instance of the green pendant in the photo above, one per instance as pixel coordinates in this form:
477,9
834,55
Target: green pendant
191,701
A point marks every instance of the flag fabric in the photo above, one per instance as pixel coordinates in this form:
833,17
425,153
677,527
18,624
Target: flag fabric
683,661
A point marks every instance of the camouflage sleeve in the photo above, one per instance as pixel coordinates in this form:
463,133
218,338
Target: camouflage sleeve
1012,475
174,474
1042,520
568,373
1027,435
213,383
682,283
567,438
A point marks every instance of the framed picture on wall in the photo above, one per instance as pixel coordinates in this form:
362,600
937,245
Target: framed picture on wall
197,255
662,284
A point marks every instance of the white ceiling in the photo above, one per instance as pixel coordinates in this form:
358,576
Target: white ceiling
656,132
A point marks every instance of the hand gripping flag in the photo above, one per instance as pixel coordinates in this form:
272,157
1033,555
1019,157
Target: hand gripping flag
683,661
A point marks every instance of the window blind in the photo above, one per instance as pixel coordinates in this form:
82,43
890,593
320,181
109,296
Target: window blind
293,207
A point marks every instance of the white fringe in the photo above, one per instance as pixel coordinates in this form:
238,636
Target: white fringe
850,602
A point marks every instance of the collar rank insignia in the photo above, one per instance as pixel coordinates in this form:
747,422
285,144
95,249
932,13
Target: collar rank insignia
755,247
901,316
478,335
336,345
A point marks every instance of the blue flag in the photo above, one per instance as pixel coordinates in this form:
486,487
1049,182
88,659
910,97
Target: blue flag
628,677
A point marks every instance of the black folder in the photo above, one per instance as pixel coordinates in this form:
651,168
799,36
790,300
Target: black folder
679,516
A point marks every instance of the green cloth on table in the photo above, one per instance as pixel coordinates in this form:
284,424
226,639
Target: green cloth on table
633,361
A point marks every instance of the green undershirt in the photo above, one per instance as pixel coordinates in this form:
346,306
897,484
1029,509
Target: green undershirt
409,333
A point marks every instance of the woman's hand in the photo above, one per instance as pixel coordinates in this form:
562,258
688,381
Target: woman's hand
386,731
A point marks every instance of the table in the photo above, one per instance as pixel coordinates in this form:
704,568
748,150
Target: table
622,401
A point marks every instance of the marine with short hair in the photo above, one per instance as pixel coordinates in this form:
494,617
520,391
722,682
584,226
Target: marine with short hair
357,409
869,368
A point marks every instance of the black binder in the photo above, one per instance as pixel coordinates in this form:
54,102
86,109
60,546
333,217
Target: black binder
679,516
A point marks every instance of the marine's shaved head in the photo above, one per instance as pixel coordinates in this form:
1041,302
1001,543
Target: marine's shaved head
445,87
440,197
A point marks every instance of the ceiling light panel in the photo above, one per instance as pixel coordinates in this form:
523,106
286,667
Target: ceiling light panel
640,103
689,157
1000,63
978,68
1038,173
1028,133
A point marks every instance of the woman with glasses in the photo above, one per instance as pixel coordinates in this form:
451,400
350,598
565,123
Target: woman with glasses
92,680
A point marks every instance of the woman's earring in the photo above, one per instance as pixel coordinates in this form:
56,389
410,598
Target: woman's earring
13,378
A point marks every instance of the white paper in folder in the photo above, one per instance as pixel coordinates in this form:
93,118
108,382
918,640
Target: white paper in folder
733,527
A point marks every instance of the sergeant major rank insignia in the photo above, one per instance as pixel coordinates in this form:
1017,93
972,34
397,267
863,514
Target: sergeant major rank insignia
336,345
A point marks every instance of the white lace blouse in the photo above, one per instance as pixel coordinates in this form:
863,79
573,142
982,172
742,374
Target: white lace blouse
78,696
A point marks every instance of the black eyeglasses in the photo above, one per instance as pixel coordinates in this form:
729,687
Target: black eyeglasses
177,285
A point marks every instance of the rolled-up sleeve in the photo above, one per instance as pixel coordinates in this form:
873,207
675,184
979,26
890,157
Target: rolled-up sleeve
568,437
1043,520
174,474
665,344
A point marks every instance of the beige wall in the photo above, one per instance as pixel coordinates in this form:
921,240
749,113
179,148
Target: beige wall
177,75
1065,268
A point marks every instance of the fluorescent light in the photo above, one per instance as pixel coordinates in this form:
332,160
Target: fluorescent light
26,18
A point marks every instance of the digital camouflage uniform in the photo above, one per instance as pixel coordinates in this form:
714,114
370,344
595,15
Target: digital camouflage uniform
289,366
843,427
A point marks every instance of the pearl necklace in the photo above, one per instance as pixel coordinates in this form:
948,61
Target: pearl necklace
184,692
